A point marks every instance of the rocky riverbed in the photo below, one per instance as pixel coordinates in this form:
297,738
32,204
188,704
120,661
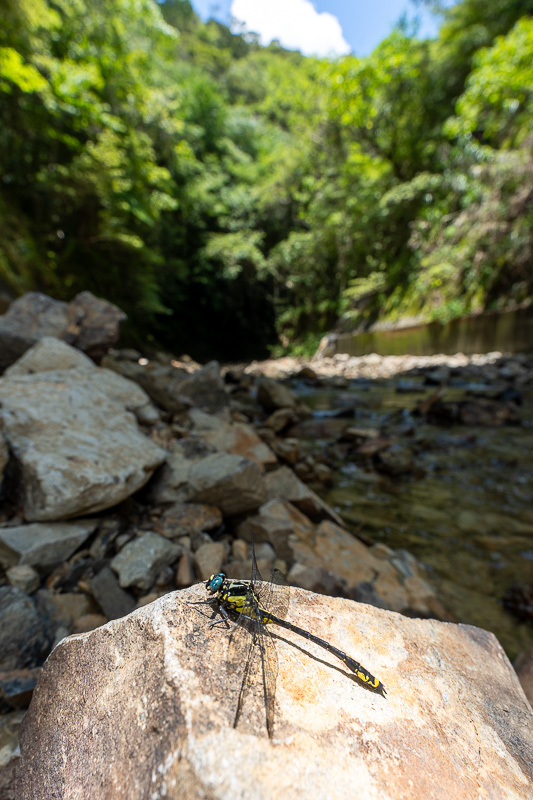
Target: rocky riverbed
399,482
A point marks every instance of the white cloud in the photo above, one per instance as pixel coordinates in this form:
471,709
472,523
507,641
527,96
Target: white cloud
295,23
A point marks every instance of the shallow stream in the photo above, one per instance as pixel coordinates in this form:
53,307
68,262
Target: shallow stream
465,506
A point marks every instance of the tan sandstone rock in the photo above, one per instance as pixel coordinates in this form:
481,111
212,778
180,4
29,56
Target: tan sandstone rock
144,707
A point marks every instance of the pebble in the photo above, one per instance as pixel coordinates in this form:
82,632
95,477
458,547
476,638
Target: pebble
23,577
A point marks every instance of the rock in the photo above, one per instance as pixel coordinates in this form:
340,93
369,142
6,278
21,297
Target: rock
277,522
232,437
4,456
524,670
48,355
16,688
88,622
358,434
234,484
176,389
140,560
327,347
94,462
287,449
186,519
488,413
93,324
394,460
156,684
43,544
321,428
280,419
53,355
28,319
23,577
102,545
113,600
171,484
316,579
283,483
185,575
205,388
63,608
88,323
25,633
9,752
209,559
273,395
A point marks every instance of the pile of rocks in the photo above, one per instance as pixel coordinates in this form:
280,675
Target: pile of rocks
127,480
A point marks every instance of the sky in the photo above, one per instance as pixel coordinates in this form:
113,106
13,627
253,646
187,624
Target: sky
319,27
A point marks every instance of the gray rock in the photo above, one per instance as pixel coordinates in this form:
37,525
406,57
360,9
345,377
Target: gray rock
25,633
28,319
187,519
176,389
139,562
53,355
78,449
43,544
49,354
88,323
23,577
171,484
273,395
93,324
205,388
232,483
4,456
9,752
113,600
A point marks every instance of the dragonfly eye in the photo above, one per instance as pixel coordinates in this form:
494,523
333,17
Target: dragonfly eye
216,581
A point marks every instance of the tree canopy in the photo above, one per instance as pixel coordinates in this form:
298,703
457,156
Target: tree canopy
230,196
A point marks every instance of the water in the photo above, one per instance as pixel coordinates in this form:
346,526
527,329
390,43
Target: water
464,509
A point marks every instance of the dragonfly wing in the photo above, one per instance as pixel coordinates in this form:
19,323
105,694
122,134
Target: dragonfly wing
270,673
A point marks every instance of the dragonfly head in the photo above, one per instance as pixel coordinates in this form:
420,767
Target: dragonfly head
215,582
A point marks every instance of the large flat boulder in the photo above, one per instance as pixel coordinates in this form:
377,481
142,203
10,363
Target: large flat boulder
145,707
78,448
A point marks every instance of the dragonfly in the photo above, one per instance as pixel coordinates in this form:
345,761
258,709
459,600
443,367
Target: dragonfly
253,605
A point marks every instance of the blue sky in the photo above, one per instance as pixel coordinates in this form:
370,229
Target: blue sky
320,26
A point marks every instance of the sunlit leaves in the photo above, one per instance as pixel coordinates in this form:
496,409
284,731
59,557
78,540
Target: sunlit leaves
14,72
497,105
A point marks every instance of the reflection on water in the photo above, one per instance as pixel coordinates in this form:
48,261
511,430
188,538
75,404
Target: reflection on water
465,509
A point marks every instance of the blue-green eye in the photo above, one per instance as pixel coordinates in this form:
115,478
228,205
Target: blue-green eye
216,582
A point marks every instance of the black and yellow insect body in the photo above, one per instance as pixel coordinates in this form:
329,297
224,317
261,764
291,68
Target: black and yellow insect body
253,605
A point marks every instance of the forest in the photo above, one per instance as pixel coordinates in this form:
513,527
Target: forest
237,200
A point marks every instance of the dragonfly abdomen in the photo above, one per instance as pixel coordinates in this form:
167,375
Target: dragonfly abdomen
354,666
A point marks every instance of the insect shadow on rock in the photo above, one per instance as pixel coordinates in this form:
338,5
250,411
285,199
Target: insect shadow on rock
252,605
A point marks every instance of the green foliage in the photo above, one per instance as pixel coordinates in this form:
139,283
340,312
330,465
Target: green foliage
228,195
497,106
